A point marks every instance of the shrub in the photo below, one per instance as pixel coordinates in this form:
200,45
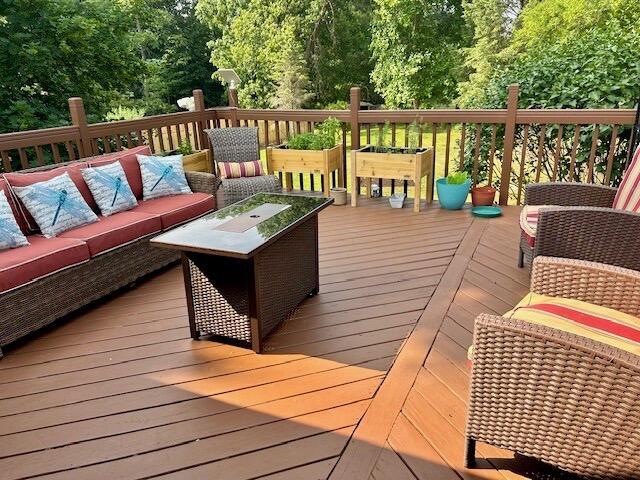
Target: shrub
324,136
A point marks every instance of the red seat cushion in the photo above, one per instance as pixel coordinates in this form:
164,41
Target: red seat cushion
43,256
29,178
114,230
129,162
22,223
176,209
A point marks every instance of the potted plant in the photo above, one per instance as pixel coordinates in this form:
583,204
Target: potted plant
483,196
453,190
394,163
309,152
192,160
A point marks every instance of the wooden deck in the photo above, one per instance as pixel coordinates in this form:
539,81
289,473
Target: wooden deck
367,380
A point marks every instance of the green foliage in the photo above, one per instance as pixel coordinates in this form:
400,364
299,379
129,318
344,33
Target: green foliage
457,178
271,42
324,136
124,113
185,148
415,48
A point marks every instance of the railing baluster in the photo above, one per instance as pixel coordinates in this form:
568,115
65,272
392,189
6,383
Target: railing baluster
462,141
23,158
592,153
70,151
492,154
543,136
476,156
170,137
556,159
179,134
56,153
150,140
266,133
447,150
523,159
6,161
393,144
118,142
368,134
277,132
106,143
612,151
161,139
574,149
39,155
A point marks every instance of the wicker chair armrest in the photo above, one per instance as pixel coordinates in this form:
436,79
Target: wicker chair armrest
569,194
594,234
595,283
491,333
203,182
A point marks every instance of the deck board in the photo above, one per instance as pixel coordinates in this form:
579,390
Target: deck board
121,391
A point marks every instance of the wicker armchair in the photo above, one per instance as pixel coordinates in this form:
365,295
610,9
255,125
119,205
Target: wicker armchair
240,144
559,397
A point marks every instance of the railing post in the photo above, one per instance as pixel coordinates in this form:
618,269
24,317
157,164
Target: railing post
198,100
233,102
79,119
509,138
354,107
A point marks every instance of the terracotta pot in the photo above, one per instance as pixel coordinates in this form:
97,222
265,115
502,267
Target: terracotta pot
482,196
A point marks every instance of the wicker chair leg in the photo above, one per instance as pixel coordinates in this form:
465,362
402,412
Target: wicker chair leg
470,453
520,258
1,355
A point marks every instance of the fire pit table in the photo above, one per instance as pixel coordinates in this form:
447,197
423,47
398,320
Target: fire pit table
248,266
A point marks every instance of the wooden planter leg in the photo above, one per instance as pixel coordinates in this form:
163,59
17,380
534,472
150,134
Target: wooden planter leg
417,180
354,180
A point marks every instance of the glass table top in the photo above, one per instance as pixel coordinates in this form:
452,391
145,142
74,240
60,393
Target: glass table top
240,229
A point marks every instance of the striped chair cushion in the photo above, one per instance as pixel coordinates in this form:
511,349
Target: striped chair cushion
628,195
602,324
529,222
240,169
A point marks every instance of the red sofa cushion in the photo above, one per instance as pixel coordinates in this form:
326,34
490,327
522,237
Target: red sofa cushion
43,256
129,162
26,179
176,209
22,223
114,230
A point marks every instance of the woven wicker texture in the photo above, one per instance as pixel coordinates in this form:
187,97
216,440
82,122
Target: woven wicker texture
234,144
564,194
227,292
595,234
553,395
596,283
240,144
39,303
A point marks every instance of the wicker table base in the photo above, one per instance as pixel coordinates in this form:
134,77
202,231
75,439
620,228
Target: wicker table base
241,301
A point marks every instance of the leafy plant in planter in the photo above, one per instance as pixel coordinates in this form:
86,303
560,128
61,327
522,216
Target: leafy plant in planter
453,190
316,152
193,160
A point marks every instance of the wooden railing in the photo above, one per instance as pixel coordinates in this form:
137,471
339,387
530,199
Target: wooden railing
504,147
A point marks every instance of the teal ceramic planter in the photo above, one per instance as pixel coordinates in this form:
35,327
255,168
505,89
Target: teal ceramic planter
452,196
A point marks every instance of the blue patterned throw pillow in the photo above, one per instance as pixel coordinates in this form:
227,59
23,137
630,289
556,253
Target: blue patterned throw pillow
110,189
162,176
56,205
10,234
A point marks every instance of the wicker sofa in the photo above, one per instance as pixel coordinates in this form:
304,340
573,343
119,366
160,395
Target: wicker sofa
51,278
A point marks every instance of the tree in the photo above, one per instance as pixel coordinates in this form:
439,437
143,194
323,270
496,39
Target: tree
415,47
492,23
56,49
292,90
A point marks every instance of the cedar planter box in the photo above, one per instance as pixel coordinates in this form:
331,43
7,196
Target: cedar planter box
198,161
393,164
280,158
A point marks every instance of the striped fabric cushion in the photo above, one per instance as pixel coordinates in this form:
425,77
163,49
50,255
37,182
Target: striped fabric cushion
628,195
240,169
602,324
529,222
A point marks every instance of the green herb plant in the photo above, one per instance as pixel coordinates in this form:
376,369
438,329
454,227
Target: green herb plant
324,136
457,178
185,148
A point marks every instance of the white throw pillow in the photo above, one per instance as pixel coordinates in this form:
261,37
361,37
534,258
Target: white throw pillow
110,188
162,176
10,234
56,205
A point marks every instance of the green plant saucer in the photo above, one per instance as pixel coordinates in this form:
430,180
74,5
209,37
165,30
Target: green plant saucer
486,212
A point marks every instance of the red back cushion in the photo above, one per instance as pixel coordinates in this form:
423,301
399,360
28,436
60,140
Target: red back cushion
129,162
22,222
26,179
